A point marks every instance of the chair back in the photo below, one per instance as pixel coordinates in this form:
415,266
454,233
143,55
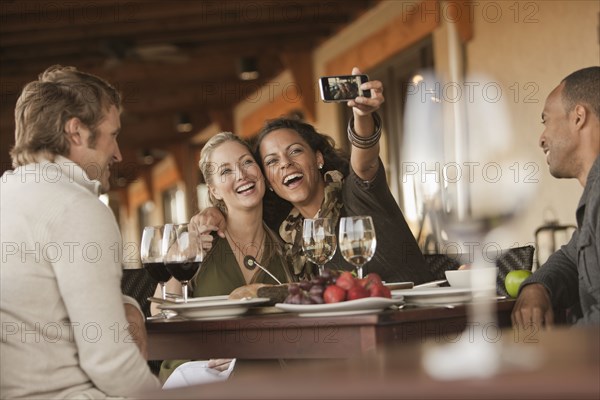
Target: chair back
137,283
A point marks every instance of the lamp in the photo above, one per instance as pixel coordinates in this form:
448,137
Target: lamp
183,123
247,68
149,156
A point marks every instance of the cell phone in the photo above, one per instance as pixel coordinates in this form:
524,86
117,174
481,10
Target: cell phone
342,87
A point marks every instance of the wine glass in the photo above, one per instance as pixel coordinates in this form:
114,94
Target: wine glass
182,254
152,256
318,241
357,241
470,201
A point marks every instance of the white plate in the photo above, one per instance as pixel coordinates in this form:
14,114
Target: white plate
179,300
212,308
434,295
399,285
430,284
367,305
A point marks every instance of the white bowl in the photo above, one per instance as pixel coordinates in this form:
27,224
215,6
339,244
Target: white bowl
478,278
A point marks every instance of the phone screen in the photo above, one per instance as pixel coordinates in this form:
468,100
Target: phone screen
343,87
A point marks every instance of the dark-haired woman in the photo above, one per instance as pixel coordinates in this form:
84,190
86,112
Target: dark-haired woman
309,178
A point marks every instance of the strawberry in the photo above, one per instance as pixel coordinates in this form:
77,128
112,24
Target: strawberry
346,280
387,292
364,282
357,292
373,278
380,291
334,294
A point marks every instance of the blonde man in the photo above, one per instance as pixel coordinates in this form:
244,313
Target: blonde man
65,331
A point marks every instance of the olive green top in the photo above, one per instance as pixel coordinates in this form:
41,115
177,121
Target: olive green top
220,274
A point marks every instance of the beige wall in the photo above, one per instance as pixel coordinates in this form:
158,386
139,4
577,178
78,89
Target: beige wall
558,38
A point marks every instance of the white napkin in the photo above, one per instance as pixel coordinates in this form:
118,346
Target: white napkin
196,373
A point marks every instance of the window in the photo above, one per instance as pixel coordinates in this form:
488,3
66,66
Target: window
396,73
174,206
202,193
143,214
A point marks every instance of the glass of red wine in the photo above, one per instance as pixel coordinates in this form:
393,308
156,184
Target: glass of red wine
182,254
151,252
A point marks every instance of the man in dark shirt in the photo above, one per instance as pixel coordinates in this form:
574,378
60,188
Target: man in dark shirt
571,142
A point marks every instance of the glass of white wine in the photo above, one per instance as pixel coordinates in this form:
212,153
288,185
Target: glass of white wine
319,241
357,241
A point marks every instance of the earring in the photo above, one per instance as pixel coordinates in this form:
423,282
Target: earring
270,188
321,166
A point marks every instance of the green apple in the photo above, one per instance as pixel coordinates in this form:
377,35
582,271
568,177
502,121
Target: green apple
513,281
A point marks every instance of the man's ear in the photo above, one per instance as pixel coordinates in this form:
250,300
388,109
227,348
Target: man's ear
72,130
580,115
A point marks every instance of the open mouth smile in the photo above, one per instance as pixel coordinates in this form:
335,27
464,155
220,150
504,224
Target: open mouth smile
291,179
245,188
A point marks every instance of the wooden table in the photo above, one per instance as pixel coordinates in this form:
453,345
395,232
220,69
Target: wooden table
564,363
287,336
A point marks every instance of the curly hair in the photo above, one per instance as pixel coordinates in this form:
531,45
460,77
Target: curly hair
274,206
45,105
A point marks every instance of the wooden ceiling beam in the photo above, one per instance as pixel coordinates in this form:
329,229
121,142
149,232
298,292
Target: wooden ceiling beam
156,9
138,77
216,62
159,33
155,130
134,15
222,68
199,49
200,94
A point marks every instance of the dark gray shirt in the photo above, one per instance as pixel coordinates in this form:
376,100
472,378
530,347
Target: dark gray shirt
397,257
572,274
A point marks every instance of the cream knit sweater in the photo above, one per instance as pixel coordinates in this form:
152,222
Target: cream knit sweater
61,309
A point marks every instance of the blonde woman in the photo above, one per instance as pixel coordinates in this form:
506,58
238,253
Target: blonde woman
236,187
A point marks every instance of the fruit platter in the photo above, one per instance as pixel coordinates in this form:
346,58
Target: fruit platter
336,293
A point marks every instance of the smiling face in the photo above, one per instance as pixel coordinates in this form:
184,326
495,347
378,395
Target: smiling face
292,170
559,140
235,177
96,158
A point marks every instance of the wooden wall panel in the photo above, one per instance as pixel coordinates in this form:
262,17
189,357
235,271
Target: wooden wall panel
394,37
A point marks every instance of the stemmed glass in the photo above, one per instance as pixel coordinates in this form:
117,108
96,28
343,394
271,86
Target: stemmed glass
469,206
182,254
152,256
357,241
318,241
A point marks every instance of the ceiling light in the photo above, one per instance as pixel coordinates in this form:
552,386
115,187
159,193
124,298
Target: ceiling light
184,123
247,68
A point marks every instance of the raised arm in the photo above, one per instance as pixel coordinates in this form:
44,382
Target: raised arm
364,156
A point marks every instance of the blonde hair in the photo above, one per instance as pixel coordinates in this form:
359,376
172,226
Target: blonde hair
209,168
45,105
